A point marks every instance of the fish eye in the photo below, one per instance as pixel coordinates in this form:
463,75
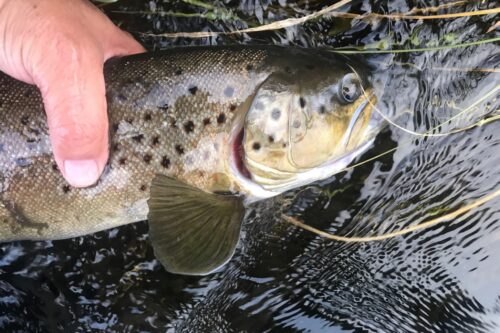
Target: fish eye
350,88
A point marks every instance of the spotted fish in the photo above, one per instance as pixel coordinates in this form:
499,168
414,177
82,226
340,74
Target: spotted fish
195,135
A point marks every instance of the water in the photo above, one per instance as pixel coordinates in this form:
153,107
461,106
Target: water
444,278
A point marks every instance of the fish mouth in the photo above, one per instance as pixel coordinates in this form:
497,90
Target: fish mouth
239,154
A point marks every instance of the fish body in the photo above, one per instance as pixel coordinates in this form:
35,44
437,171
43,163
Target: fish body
232,122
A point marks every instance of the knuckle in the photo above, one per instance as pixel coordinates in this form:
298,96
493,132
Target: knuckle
77,134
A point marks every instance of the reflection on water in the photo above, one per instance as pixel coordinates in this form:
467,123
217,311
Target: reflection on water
444,278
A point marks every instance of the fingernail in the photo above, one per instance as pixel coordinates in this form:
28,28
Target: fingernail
81,173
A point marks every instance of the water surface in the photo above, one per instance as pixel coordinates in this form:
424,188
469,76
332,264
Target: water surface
444,278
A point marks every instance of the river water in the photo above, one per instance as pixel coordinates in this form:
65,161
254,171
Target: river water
445,278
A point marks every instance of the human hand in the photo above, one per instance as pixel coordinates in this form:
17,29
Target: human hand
61,47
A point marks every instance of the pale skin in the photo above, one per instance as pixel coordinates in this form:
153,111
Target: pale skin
61,46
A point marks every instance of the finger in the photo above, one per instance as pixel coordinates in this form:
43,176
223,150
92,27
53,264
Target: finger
74,97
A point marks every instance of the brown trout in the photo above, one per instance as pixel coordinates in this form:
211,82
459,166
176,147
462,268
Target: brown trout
196,133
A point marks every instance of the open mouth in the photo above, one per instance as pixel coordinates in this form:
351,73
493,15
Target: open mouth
239,153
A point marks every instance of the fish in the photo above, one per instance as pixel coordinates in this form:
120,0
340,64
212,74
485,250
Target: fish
196,134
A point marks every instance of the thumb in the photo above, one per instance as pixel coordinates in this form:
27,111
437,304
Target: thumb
72,85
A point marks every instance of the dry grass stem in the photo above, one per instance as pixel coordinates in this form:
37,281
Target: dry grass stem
330,11
266,27
447,217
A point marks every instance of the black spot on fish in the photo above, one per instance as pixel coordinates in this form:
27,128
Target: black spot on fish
256,146
165,162
193,90
130,120
284,145
221,118
25,120
121,97
143,188
147,158
322,109
147,117
232,107
116,147
122,161
206,121
188,126
249,67
27,93
31,140
288,69
155,140
229,91
66,188
164,107
276,114
55,167
179,149
178,71
302,102
271,138
34,131
22,162
115,128
138,138
310,67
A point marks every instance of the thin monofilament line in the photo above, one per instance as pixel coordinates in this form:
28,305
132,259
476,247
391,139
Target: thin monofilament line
424,225
427,133
406,142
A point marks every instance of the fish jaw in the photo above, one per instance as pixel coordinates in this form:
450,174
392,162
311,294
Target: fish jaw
254,192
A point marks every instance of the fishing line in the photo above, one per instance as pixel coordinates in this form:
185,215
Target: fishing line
424,225
427,134
406,142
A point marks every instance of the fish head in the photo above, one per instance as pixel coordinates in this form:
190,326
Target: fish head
303,127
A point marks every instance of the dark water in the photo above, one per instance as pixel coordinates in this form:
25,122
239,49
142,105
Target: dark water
444,279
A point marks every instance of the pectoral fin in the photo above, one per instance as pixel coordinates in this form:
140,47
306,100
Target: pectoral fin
193,232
